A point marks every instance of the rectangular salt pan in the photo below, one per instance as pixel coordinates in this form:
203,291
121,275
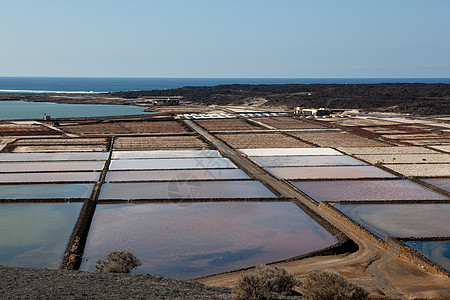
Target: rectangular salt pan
191,240
172,164
328,172
289,151
367,190
184,190
46,191
49,177
51,166
28,157
36,234
442,183
174,175
436,251
164,154
306,161
401,220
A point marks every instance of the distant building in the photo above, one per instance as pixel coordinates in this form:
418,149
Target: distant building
312,111
47,118
169,101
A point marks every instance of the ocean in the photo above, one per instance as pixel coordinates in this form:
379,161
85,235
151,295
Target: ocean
103,85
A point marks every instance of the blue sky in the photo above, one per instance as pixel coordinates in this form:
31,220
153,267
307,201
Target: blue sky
213,38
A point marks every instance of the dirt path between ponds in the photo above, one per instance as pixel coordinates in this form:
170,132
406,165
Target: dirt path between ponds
372,266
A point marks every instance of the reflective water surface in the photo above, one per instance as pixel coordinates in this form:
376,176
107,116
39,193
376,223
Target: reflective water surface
165,154
51,166
289,151
401,220
50,177
436,251
213,174
28,157
185,190
300,161
46,191
167,164
443,183
366,190
203,238
36,234
328,172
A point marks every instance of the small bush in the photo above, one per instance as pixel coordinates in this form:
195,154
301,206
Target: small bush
118,261
331,286
263,283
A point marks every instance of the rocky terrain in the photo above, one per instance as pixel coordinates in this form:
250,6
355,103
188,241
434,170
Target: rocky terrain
26,283
418,98
421,99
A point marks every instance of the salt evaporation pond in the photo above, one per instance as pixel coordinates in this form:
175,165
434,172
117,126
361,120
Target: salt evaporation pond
167,164
36,234
328,172
45,191
175,175
16,110
442,183
49,177
305,161
365,190
401,220
69,156
164,154
204,238
436,251
289,151
51,166
185,190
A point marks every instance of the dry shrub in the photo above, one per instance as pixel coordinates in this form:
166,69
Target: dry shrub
118,261
331,286
263,283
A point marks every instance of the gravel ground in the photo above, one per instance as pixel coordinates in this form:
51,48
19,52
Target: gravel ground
26,283
385,150
406,158
421,170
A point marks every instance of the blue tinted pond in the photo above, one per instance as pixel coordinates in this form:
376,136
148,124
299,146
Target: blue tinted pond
443,183
185,190
175,175
365,190
401,220
36,234
15,110
436,251
46,191
203,238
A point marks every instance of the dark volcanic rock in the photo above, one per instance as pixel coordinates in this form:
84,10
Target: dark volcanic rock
414,98
27,283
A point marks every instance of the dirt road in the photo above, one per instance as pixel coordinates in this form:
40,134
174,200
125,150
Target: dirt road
372,266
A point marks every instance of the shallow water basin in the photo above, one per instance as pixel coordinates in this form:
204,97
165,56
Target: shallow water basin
328,172
186,242
184,190
401,220
436,251
306,161
366,190
46,191
49,177
289,151
164,154
68,156
36,234
51,166
171,164
176,175
442,183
